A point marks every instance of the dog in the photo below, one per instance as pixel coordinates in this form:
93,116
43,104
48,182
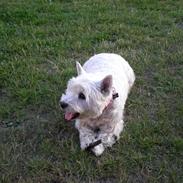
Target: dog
96,98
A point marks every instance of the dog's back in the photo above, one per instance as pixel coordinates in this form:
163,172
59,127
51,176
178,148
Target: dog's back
110,63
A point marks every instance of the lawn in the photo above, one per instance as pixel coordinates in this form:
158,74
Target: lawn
39,44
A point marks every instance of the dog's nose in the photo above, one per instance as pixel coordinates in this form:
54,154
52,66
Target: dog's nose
63,105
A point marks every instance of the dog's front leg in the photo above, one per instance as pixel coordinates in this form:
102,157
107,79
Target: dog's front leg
86,137
88,141
109,138
98,150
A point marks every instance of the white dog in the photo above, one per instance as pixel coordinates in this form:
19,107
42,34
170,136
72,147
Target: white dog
96,99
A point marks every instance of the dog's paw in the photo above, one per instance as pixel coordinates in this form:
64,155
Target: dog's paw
83,145
98,150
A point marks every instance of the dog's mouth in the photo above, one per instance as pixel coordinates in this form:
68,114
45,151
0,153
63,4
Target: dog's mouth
71,116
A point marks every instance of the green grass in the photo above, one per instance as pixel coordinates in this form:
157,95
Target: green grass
39,44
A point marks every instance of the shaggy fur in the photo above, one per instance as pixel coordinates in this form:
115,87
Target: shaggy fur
89,99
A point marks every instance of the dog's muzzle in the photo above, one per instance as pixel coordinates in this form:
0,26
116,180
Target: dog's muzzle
68,115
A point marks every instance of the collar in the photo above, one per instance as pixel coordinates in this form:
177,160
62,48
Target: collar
114,96
109,104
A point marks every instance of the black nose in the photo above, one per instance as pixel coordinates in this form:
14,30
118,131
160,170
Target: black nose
63,105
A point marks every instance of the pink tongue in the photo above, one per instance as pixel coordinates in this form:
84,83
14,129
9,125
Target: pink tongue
68,116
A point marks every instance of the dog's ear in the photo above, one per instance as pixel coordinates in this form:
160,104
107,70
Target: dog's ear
106,84
79,68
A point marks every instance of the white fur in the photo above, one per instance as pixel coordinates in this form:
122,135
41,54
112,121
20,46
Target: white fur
93,111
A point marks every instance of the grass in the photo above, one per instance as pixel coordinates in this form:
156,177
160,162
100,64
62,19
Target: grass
39,44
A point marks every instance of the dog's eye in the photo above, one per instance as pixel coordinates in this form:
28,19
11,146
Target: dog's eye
81,96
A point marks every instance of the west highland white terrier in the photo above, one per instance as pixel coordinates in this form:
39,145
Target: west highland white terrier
96,100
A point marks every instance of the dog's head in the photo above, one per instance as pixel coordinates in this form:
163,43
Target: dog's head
86,95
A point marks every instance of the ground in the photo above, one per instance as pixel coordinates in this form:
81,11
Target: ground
39,44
